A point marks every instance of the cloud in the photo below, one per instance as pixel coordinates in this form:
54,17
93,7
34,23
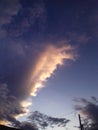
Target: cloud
30,19
78,38
9,106
88,108
19,24
26,62
25,72
17,20
47,63
8,9
17,49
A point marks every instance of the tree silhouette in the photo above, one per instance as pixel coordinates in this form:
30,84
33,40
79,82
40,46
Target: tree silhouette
27,126
88,125
89,108
43,121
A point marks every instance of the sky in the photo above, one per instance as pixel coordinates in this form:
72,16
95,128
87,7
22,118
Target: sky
48,58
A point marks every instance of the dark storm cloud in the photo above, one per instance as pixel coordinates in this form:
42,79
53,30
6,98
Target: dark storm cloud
88,107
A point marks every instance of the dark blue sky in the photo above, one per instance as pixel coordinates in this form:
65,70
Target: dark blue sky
48,48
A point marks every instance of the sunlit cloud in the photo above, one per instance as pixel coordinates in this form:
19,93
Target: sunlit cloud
26,103
47,63
2,122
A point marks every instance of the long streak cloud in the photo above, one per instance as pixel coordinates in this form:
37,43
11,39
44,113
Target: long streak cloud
47,63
